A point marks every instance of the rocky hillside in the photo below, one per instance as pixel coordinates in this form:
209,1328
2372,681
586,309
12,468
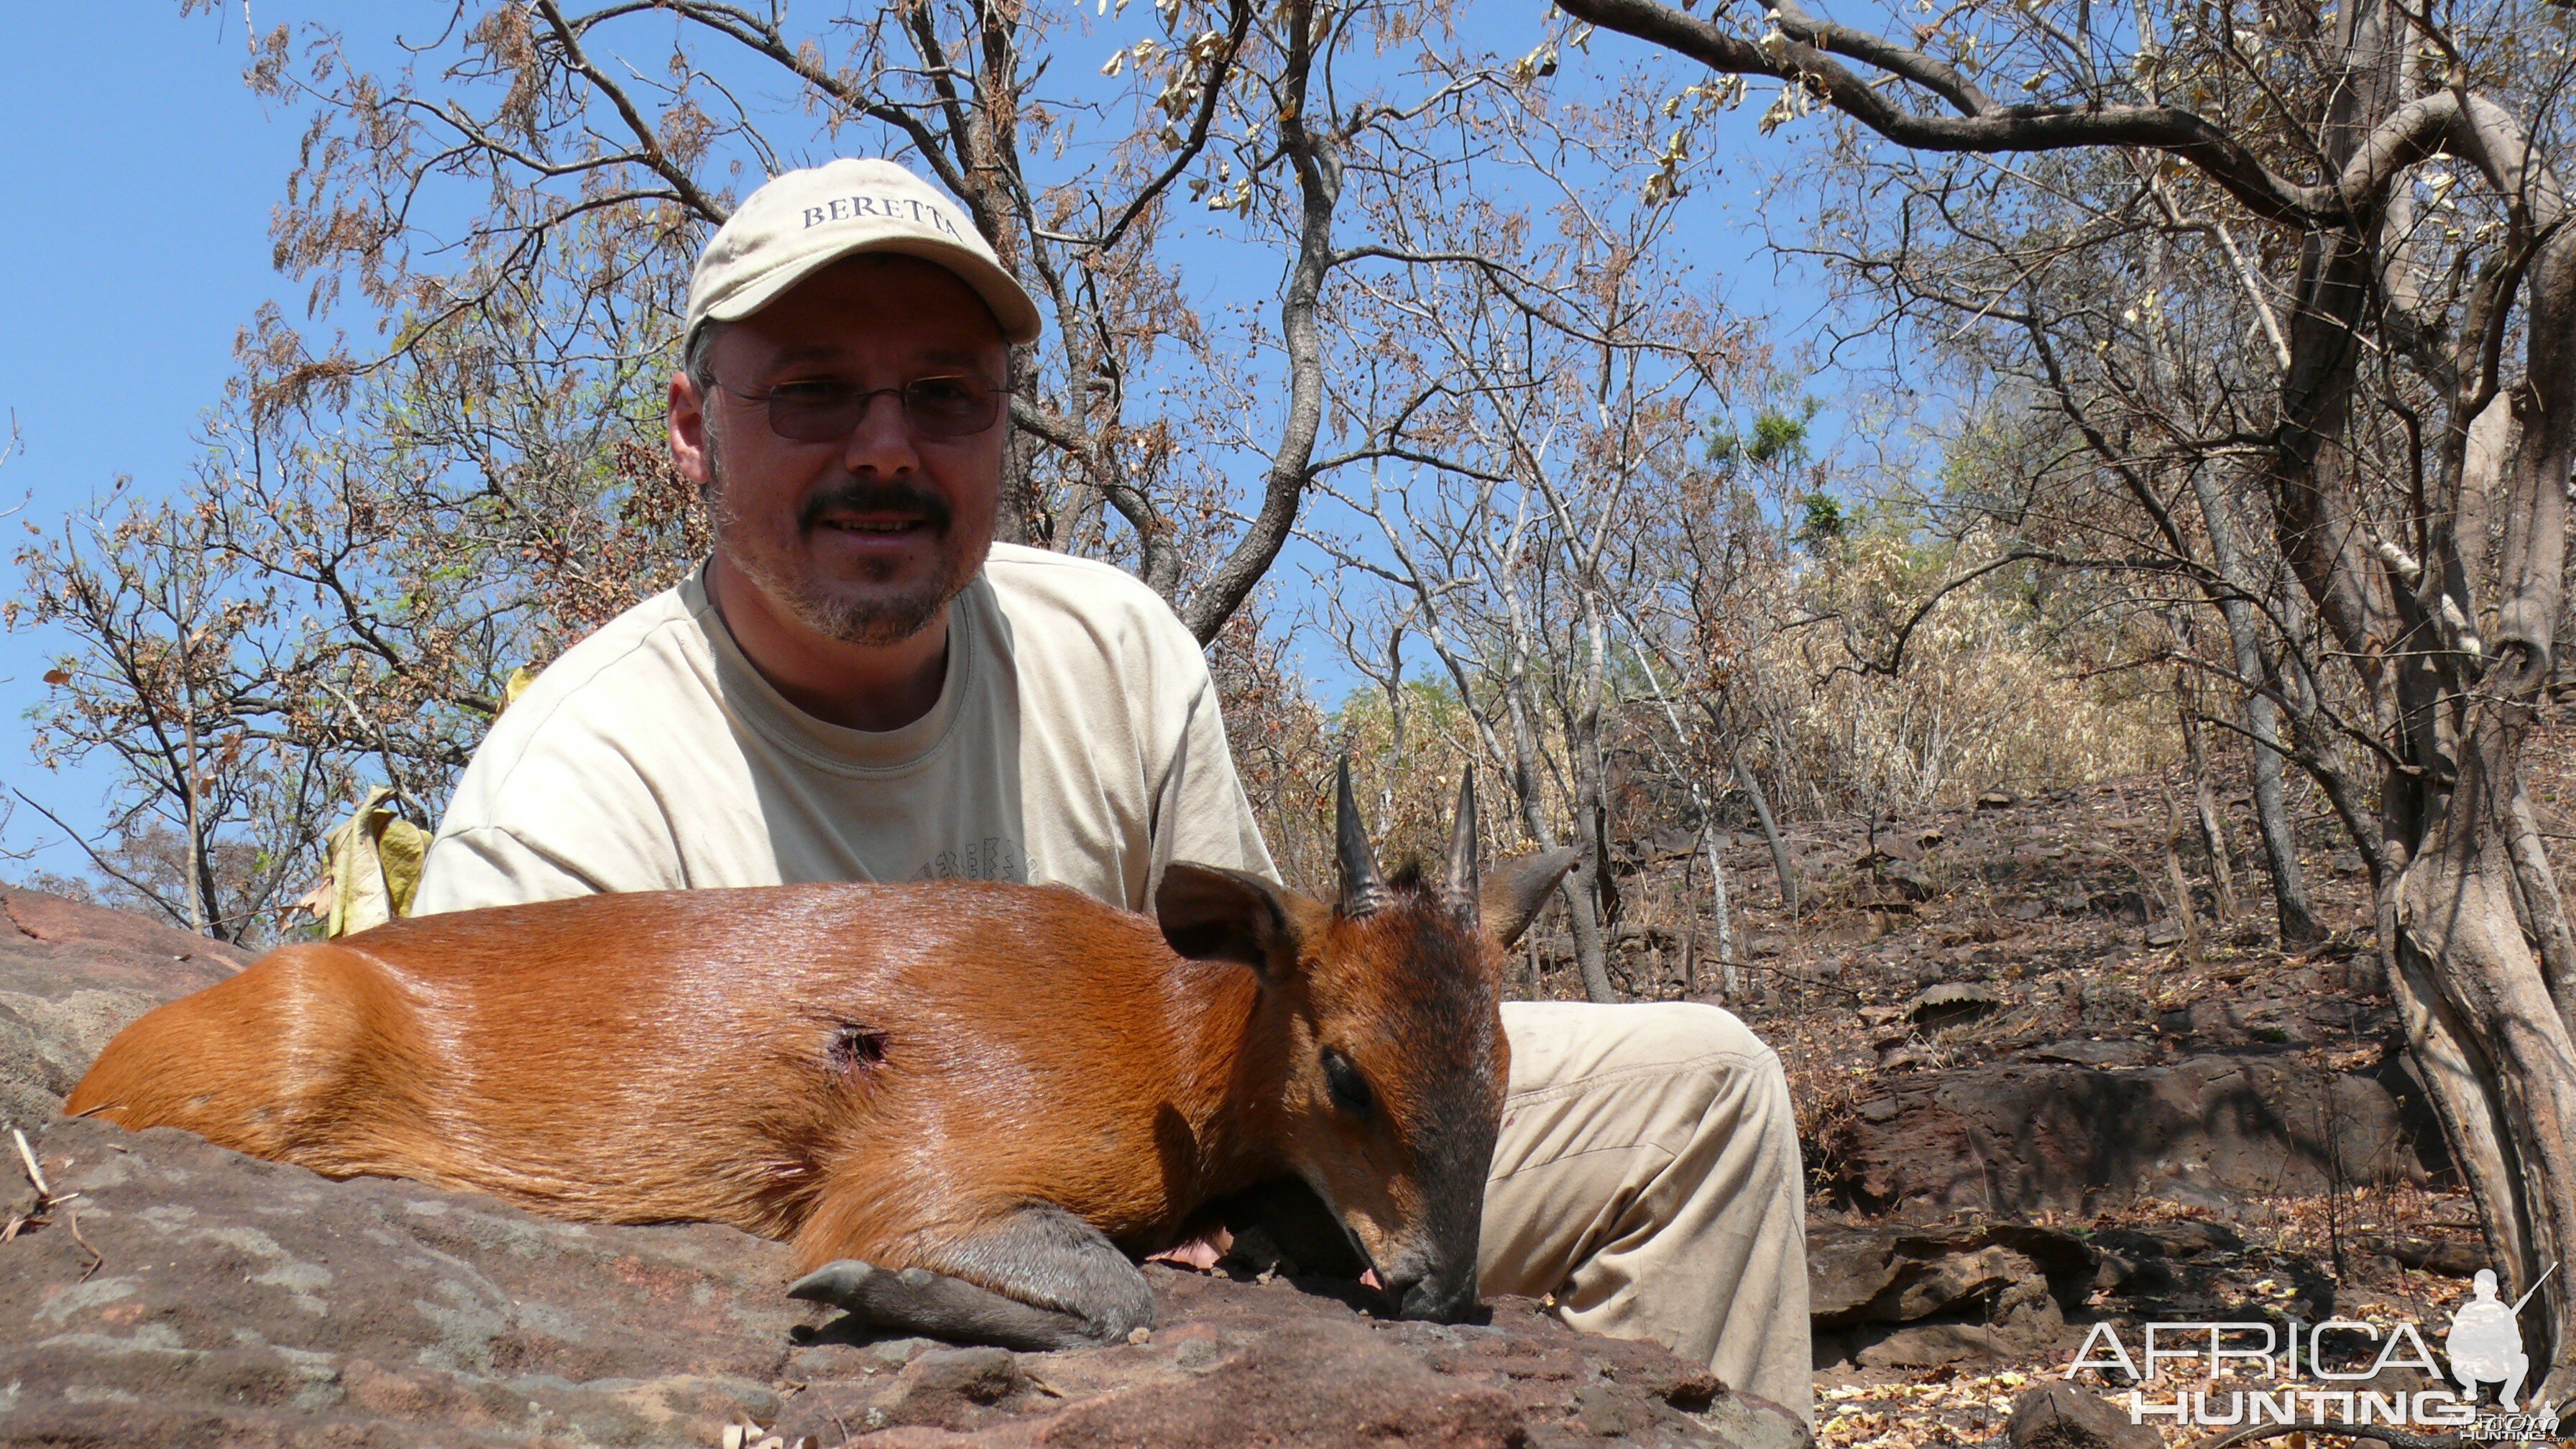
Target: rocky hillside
2037,1093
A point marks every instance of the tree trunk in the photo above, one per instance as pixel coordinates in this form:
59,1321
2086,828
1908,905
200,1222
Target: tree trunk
2186,913
2298,924
1019,515
1730,988
1314,154
1780,858
2213,825
1581,920
2544,909
2496,1047
1600,894
2460,919
1591,955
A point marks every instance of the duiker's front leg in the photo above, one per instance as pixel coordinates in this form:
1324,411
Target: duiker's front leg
1039,1279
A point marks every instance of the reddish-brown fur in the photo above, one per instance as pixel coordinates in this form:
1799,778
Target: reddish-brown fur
866,1070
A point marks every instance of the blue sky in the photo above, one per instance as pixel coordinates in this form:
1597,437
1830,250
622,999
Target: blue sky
134,211
134,244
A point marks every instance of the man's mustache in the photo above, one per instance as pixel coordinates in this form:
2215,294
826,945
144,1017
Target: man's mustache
860,495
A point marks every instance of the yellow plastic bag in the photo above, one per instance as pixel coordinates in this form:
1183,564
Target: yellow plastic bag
375,858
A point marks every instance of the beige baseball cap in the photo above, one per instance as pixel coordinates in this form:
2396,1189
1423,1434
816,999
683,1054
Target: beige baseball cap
805,220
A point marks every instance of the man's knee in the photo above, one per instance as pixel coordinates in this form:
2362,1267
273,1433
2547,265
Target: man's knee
1745,1136
1698,1064
1563,1038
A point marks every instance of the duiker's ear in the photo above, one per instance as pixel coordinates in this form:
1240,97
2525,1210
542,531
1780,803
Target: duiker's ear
1209,913
1515,889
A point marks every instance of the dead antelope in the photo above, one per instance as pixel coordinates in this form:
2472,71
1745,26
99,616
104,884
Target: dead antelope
965,1103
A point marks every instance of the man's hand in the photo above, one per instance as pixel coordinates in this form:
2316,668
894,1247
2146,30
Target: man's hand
1199,1253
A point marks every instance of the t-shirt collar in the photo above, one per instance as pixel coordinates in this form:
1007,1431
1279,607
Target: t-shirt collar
758,703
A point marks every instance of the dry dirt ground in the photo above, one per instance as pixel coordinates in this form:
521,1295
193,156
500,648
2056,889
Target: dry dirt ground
2061,906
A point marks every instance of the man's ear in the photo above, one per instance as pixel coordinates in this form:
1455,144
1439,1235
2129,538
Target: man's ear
686,429
1209,913
1516,889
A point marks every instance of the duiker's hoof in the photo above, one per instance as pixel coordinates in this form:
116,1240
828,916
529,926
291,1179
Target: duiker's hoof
934,1305
843,1283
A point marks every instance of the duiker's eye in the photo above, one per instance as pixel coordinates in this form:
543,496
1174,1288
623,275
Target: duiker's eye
1350,1090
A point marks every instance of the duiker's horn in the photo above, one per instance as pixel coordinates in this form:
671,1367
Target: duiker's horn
1459,890
1362,890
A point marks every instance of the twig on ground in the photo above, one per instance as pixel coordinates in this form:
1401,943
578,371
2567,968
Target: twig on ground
97,1259
42,1208
35,1174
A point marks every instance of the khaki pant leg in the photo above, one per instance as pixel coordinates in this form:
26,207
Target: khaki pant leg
1648,1176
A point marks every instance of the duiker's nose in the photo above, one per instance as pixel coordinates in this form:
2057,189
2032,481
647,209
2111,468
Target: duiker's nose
1441,1298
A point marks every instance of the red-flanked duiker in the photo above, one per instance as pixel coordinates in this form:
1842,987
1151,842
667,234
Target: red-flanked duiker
967,1104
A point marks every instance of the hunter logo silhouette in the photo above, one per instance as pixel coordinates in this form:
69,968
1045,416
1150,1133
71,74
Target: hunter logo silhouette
2485,1342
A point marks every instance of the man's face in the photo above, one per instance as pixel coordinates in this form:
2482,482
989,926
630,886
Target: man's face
863,538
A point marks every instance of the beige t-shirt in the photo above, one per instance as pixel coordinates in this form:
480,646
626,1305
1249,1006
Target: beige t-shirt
1076,740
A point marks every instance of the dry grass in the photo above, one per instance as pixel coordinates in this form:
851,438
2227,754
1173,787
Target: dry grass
1987,692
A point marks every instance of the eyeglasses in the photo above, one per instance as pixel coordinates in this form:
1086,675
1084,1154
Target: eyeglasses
822,411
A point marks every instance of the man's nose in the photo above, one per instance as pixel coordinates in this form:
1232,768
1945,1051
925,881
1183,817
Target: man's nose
882,443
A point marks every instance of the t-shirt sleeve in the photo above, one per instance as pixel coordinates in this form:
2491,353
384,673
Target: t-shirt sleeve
1200,812
489,865
562,813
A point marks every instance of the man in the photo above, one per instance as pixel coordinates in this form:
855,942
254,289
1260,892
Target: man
860,685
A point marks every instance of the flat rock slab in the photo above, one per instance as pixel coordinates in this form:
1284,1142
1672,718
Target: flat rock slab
193,1296
2020,1138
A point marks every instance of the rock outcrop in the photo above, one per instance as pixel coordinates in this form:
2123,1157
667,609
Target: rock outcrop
2019,1138
210,1298
1885,1295
71,976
